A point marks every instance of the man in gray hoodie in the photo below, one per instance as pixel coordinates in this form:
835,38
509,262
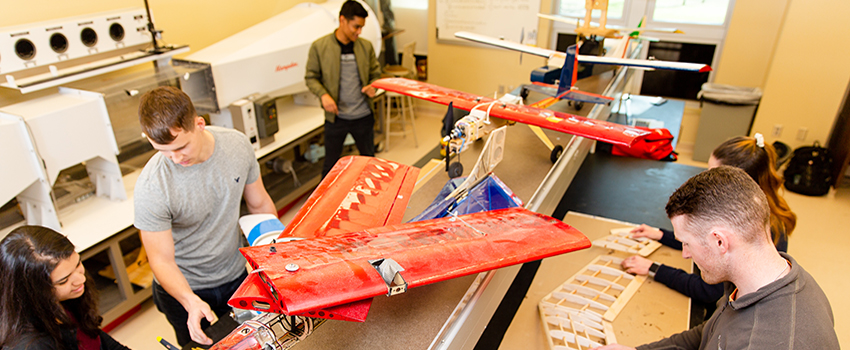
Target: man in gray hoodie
771,302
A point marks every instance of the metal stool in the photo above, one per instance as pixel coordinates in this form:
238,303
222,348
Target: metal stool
404,107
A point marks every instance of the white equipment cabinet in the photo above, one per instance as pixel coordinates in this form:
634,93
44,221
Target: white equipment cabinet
66,129
22,175
50,42
269,58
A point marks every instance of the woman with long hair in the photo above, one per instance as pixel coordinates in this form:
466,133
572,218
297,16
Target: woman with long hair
756,158
46,300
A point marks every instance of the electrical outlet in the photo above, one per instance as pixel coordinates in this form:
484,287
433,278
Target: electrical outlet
777,130
801,134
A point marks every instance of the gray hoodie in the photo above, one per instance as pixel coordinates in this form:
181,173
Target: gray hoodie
789,313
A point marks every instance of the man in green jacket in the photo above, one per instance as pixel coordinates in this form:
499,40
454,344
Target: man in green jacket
340,68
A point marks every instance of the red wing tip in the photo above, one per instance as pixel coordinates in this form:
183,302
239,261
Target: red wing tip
705,68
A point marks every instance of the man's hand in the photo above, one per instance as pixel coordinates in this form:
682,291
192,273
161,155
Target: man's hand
197,309
613,347
647,231
637,265
329,105
369,90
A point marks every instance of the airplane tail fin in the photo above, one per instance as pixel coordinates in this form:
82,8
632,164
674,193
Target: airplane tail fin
448,121
569,71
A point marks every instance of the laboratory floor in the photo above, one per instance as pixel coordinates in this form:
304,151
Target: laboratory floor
818,243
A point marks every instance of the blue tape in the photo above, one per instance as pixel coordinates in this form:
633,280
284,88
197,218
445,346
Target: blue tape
263,228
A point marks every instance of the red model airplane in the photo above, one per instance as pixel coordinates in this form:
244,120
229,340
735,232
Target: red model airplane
472,126
544,118
347,245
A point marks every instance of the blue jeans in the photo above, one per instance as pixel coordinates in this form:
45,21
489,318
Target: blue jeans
216,297
361,129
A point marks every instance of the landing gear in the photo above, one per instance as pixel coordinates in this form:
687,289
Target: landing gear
556,153
577,105
455,170
523,92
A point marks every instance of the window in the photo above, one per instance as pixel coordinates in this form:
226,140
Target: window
705,12
703,21
410,4
575,8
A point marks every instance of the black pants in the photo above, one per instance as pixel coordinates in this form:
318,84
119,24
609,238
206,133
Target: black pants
216,297
361,129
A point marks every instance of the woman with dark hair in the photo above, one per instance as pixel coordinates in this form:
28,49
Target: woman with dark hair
46,301
756,158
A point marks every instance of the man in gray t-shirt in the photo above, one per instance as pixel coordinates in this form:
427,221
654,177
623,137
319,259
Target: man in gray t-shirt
187,202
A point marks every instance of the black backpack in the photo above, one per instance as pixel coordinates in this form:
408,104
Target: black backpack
810,171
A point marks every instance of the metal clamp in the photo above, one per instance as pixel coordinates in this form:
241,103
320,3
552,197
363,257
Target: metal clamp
390,272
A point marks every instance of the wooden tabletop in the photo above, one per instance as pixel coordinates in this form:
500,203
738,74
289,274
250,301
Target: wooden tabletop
654,312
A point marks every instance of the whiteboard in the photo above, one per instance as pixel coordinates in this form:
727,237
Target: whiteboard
514,20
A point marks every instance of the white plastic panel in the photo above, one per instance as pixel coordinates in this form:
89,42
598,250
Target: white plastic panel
271,55
71,117
45,43
17,158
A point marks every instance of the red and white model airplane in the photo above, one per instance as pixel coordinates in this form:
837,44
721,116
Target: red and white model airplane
563,66
347,244
471,127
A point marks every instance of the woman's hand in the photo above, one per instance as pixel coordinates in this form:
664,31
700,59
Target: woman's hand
647,231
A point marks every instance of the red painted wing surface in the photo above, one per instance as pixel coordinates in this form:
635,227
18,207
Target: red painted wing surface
544,118
358,193
314,274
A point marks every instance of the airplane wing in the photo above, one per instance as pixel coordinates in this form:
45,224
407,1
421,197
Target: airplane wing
652,64
649,64
544,118
358,193
305,275
483,39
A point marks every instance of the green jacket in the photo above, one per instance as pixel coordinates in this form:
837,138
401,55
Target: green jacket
322,76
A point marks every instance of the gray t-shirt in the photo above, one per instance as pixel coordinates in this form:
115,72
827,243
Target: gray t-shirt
352,102
200,204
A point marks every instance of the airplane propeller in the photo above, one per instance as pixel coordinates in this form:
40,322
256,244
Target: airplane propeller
454,169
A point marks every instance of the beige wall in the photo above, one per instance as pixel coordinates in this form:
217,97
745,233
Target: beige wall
750,42
478,69
809,72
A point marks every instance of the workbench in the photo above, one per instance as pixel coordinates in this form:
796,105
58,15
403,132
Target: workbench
653,313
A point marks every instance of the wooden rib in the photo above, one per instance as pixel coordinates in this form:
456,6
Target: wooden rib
542,312
578,299
579,322
599,281
560,309
574,289
610,338
610,271
620,239
590,318
649,248
624,297
584,322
